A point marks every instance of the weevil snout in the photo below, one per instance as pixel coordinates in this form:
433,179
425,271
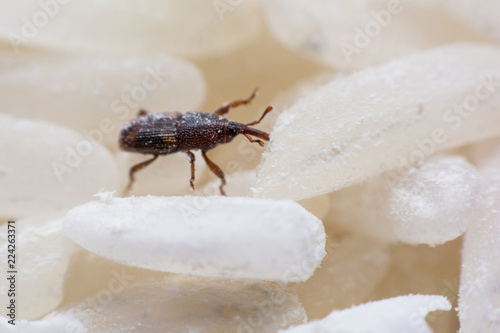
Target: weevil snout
237,128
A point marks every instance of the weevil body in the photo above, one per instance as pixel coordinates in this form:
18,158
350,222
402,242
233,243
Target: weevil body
168,133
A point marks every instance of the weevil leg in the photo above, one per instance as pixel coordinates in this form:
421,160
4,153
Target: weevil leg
136,168
216,170
142,112
261,143
225,108
191,160
268,109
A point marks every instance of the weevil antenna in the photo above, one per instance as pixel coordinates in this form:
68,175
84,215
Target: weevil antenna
268,109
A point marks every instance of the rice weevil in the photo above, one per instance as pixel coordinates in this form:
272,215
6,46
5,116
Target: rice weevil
168,133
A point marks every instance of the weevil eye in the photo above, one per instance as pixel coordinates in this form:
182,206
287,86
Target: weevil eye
231,132
232,129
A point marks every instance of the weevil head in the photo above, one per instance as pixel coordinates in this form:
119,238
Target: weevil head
232,130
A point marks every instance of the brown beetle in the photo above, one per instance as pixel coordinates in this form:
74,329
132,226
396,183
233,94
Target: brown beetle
168,133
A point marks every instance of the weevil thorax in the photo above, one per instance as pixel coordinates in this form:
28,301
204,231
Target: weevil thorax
199,130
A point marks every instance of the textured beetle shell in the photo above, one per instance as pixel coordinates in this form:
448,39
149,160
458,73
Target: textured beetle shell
166,133
153,134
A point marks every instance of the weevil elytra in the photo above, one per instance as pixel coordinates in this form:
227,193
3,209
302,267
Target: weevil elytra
168,133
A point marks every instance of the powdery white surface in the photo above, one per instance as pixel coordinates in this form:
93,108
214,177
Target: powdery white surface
393,315
209,236
192,27
351,35
96,95
430,204
382,118
192,304
479,302
49,167
62,323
